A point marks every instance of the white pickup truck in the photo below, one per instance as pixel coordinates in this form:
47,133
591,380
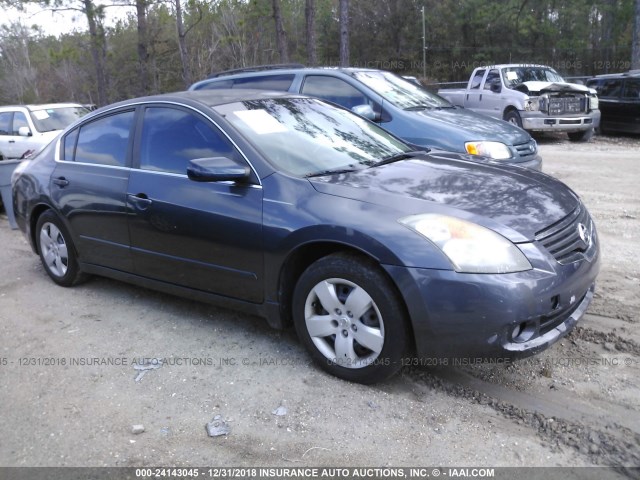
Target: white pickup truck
534,97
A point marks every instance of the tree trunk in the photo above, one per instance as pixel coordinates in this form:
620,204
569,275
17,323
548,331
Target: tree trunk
310,16
281,35
143,54
344,33
96,33
635,55
182,45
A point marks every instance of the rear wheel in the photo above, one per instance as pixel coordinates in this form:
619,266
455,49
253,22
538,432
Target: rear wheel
57,251
350,318
583,136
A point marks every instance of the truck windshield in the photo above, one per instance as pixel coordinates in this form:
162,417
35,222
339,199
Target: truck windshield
400,92
514,76
56,118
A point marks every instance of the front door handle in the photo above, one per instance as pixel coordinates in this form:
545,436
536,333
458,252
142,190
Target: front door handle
140,200
61,181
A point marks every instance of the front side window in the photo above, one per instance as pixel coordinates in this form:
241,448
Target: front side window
104,141
19,120
632,88
305,136
171,137
493,77
333,90
56,118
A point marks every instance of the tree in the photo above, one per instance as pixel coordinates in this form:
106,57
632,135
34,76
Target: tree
281,34
635,53
344,33
310,17
143,51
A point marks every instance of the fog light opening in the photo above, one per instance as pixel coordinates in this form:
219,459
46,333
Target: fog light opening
523,332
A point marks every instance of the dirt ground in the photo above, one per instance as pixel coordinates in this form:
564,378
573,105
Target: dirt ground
69,395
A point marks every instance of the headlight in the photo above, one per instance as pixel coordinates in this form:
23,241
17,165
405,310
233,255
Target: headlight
470,247
594,103
532,104
495,150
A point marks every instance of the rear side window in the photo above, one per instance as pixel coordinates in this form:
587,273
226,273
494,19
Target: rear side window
477,79
171,137
632,88
216,85
105,141
334,90
69,145
268,82
5,122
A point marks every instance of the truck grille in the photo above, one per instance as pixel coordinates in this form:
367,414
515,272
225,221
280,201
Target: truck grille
568,239
527,149
564,105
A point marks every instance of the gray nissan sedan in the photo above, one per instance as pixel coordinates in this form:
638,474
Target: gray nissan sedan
307,214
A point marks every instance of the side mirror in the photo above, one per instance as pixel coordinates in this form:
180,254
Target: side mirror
366,111
217,169
496,87
24,132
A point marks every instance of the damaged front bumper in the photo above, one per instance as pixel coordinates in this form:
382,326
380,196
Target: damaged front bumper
540,122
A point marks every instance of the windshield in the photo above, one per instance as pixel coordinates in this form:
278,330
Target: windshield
305,136
56,118
514,76
400,92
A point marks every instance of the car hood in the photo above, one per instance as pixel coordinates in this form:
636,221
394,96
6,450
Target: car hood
482,127
513,201
551,87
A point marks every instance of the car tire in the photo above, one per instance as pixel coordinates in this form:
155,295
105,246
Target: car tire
361,330
57,252
583,136
513,117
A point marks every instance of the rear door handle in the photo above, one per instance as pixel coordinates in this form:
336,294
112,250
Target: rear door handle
12,141
140,200
61,181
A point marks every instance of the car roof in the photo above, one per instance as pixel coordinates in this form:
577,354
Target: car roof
32,107
277,70
516,65
629,74
210,98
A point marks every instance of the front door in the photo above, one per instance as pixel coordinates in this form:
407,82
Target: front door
206,236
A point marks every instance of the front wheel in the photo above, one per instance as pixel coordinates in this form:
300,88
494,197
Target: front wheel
583,136
513,117
350,318
57,251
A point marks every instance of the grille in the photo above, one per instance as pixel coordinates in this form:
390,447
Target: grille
563,239
562,105
527,149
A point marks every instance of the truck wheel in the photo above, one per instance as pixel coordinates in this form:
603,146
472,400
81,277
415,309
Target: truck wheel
583,136
512,116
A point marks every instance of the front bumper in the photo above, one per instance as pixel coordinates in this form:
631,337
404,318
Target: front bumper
539,122
470,316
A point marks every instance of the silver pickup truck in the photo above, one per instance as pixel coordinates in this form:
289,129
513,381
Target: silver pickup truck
534,97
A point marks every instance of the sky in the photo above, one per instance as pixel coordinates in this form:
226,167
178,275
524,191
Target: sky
57,23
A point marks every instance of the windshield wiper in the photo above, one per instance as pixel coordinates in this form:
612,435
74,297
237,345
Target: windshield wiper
399,156
336,171
419,107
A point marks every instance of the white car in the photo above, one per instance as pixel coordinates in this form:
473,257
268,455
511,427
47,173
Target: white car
27,129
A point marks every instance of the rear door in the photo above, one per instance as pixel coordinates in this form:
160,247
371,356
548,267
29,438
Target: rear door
205,236
474,92
89,186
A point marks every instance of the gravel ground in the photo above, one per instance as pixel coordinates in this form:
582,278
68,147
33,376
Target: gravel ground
69,360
